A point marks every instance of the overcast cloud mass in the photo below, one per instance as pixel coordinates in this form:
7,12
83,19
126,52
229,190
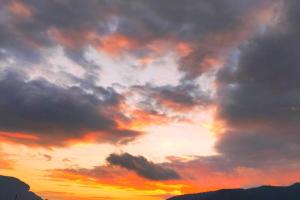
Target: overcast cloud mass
212,85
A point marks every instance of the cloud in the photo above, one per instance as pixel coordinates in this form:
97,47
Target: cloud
206,173
259,97
185,96
47,157
160,20
53,115
211,29
133,26
124,171
143,167
202,173
116,177
257,90
258,103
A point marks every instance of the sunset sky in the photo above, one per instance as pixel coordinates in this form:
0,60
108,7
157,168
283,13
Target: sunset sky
147,99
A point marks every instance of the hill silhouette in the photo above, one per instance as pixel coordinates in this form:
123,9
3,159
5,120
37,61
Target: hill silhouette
260,193
13,189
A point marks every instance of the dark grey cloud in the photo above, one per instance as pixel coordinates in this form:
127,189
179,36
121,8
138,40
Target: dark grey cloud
169,18
143,167
186,95
256,148
24,36
262,91
55,114
18,34
259,98
212,27
180,19
66,14
200,23
143,20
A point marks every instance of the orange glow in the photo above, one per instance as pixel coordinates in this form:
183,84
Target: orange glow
160,46
144,61
115,43
183,48
119,178
176,106
5,163
86,138
141,118
207,179
18,136
20,9
215,125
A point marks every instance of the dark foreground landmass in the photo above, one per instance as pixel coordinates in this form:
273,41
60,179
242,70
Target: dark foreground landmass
261,193
13,189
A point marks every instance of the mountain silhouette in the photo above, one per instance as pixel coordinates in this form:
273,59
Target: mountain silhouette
13,189
260,193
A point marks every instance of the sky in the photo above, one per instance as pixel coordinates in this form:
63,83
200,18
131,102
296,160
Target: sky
147,99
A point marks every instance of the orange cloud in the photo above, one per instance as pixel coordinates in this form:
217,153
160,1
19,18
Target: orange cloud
142,118
197,178
5,163
116,177
115,44
15,138
175,106
144,61
18,136
183,48
139,118
20,9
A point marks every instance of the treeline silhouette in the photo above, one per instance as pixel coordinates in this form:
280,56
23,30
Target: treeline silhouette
260,193
14,189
